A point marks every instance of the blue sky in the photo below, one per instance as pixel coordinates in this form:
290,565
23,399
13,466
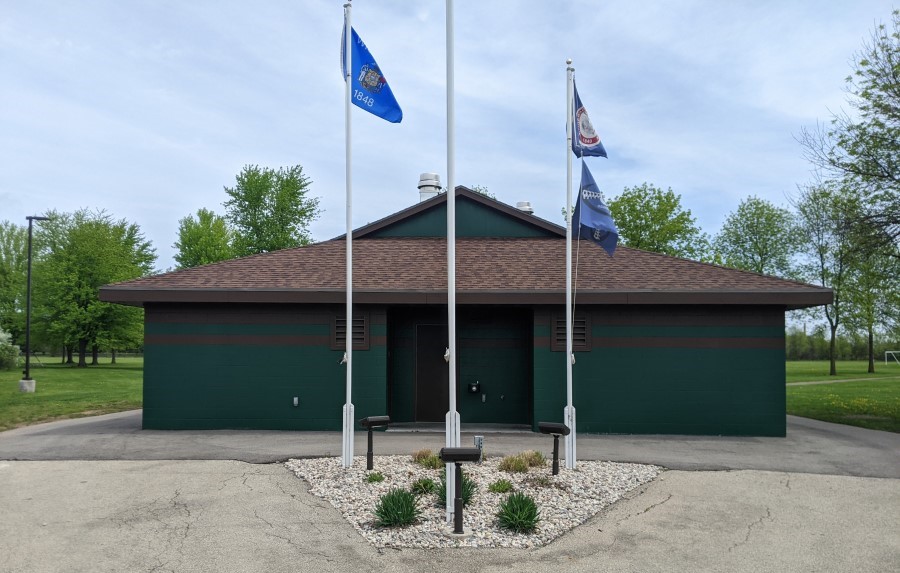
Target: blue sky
148,109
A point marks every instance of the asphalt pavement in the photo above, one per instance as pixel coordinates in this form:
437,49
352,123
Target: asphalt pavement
809,447
103,495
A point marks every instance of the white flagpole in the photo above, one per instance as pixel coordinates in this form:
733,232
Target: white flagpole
452,418
569,411
347,447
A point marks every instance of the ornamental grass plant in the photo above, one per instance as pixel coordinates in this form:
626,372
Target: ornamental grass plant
519,513
397,508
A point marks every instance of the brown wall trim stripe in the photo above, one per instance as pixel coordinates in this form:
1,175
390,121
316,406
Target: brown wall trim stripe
648,342
760,317
238,316
600,343
252,314
237,339
246,340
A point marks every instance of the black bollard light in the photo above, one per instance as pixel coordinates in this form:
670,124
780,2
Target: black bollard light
369,423
556,430
458,456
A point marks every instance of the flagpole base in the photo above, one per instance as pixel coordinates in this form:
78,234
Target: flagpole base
451,440
347,447
571,456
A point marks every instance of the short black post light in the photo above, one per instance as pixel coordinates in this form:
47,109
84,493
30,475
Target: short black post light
459,456
557,430
27,384
369,423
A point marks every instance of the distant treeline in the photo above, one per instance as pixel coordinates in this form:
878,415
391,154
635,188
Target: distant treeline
800,345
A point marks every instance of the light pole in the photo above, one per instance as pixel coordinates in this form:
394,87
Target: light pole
27,384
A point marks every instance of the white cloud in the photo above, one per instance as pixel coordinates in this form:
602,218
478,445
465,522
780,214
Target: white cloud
148,109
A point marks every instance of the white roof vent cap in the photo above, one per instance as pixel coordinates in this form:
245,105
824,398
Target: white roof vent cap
525,206
429,186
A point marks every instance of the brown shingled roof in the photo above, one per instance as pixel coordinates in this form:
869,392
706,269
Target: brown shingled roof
413,270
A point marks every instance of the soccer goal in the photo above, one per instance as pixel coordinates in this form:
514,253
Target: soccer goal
894,354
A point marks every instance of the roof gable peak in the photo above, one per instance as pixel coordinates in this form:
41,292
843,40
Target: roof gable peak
477,216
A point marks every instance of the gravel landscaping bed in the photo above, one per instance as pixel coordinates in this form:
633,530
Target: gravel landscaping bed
565,500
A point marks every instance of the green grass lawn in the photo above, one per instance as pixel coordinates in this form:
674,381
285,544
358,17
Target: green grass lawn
68,392
873,404
810,370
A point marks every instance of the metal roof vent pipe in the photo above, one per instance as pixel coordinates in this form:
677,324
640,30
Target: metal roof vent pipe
525,206
429,186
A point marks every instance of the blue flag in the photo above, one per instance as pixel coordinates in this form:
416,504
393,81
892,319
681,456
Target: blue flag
585,140
592,218
369,90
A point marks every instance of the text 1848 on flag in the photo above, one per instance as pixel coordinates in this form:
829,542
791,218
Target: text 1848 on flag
369,89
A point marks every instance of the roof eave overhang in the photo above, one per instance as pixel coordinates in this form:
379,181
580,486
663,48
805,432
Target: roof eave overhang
790,299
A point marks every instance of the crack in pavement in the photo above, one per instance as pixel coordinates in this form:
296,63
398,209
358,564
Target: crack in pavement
643,511
767,516
289,540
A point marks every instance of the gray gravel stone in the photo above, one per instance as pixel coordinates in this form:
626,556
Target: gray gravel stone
565,500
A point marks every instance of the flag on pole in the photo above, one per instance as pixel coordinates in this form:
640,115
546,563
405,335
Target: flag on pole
370,91
592,217
585,141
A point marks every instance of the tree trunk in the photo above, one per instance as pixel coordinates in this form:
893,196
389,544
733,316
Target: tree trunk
82,353
69,352
831,351
871,352
63,354
113,353
95,352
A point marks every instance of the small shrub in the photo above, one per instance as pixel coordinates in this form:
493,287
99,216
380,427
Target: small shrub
397,508
375,477
469,487
539,481
423,486
519,513
501,486
9,352
514,464
432,462
420,455
534,459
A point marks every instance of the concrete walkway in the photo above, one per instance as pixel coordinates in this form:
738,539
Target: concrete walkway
816,382
134,509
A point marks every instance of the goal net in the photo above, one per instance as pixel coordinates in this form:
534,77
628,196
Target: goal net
893,355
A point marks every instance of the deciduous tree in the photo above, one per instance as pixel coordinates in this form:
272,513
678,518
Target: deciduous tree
651,219
873,294
758,237
824,214
13,272
85,251
202,240
270,210
863,147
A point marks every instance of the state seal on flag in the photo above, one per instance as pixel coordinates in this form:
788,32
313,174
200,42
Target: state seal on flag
371,79
586,133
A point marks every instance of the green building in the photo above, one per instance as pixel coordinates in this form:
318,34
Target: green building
663,345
